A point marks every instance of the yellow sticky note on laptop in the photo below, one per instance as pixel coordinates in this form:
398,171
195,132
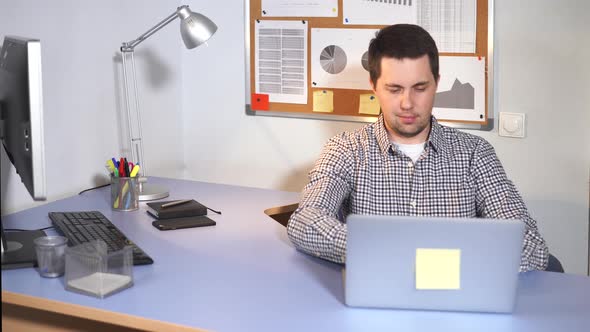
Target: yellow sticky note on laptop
438,268
323,101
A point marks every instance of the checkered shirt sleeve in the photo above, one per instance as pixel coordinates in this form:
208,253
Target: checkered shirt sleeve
314,226
458,175
497,197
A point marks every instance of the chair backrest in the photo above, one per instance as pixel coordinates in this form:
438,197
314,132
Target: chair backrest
554,265
281,214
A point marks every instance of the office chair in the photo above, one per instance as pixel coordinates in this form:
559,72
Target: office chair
554,265
281,214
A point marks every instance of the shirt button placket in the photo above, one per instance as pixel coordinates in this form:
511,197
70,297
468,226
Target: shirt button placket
413,187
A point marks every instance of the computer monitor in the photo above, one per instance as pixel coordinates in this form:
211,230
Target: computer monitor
21,130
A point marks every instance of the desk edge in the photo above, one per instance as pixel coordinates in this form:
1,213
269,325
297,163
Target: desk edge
89,313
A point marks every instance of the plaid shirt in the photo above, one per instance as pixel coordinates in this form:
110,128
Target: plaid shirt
362,172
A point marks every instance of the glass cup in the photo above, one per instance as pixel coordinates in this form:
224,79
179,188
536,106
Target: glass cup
51,255
124,193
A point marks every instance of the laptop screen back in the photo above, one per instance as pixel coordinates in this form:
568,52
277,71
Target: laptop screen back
432,263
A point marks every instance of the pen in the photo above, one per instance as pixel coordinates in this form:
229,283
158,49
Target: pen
110,166
119,200
122,168
134,171
175,203
126,167
124,190
128,196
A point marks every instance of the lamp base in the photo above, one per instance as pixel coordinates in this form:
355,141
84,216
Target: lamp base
150,192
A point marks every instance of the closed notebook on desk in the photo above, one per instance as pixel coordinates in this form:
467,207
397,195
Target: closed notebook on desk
189,209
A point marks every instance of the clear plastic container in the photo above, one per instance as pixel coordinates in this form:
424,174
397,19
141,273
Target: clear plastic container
50,255
91,270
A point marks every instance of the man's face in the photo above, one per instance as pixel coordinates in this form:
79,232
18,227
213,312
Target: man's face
406,90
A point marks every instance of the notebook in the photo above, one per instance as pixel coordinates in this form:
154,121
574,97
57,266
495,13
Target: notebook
188,209
432,263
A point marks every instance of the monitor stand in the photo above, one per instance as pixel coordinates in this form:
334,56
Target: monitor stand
18,249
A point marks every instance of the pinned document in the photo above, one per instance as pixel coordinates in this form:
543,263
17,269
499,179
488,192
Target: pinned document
438,269
323,101
369,104
280,61
299,8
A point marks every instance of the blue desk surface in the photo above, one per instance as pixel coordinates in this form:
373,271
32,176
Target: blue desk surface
244,275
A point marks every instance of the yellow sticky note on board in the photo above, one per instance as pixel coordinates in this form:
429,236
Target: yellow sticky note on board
368,104
323,101
438,268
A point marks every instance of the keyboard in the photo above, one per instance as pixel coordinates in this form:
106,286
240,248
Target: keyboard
85,226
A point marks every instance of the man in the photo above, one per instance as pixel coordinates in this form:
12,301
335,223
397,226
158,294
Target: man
406,163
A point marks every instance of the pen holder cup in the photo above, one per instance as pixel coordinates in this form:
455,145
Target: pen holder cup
91,270
124,193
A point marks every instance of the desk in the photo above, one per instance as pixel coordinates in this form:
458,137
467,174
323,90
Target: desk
244,275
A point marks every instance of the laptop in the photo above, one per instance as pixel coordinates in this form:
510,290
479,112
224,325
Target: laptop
430,263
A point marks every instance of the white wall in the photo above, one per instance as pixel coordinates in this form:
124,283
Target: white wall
82,99
193,104
541,69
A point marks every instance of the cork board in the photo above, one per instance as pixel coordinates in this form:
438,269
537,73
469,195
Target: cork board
346,100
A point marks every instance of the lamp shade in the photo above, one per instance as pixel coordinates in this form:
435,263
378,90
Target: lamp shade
194,27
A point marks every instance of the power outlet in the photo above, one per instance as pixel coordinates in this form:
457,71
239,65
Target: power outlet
511,124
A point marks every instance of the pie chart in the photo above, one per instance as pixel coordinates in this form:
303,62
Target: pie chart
333,59
365,61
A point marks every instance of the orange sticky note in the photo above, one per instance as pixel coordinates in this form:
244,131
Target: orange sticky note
438,269
260,102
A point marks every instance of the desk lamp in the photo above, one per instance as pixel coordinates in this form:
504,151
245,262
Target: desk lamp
195,29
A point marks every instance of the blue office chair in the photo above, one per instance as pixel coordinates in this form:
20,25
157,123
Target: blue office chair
554,265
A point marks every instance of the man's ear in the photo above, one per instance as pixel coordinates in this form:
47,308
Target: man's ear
373,87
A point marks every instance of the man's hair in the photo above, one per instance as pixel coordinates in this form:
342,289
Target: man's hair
401,41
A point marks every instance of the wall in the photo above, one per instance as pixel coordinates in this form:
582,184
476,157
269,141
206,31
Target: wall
544,72
540,71
82,89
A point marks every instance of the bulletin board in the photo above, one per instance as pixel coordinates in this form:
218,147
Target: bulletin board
308,58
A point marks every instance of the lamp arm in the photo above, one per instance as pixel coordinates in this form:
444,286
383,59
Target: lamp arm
129,46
